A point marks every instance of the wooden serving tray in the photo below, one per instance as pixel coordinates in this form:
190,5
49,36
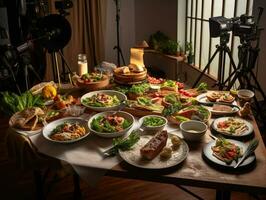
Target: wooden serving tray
129,78
140,113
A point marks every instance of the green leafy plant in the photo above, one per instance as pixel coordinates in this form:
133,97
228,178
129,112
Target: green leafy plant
157,39
11,103
170,47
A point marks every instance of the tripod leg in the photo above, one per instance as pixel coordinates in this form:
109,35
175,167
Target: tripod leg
53,64
122,56
205,69
63,58
57,71
26,77
12,72
29,66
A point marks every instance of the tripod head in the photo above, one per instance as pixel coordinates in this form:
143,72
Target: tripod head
224,38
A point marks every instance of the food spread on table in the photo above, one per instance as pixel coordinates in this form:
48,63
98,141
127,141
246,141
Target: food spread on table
101,100
232,126
110,124
226,151
158,96
67,131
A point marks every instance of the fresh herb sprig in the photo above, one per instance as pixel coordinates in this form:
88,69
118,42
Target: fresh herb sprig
123,143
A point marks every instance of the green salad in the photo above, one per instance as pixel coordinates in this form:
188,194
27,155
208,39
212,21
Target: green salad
110,124
101,100
153,121
139,88
172,98
169,83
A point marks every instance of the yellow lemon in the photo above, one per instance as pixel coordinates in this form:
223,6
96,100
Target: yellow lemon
49,92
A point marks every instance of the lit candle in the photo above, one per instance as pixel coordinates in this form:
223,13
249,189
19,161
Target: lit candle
82,64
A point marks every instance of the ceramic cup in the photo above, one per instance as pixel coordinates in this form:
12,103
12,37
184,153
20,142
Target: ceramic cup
244,96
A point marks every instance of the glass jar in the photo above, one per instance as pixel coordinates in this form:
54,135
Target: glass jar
82,64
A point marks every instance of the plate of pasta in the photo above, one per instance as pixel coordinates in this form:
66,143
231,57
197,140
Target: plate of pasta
66,130
232,126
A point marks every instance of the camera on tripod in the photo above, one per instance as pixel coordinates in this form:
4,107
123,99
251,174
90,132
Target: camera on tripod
240,26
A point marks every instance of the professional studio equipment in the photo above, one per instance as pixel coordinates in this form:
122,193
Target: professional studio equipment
222,49
57,32
248,55
247,29
117,47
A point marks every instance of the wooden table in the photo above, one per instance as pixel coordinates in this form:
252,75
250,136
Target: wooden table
194,171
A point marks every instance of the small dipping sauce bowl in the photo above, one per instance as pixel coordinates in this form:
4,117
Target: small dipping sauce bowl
193,130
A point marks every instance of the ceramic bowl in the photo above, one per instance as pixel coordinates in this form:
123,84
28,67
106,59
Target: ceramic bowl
123,114
152,128
119,95
193,130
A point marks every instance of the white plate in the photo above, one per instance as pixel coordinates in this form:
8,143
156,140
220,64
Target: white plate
204,100
245,133
119,95
134,158
21,131
126,115
207,152
47,130
234,110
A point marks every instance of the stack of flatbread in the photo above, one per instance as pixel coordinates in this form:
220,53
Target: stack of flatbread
26,119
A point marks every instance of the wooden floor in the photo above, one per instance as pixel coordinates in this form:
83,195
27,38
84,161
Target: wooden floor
15,184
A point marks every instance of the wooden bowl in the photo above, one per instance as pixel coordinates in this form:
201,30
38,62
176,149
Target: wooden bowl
94,85
129,78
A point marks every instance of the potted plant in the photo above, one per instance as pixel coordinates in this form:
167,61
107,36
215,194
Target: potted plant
190,53
170,47
157,39
181,51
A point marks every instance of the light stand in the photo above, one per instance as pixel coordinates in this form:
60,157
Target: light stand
117,47
10,69
222,49
58,31
26,60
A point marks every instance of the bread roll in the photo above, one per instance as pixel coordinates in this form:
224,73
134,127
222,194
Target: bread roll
154,146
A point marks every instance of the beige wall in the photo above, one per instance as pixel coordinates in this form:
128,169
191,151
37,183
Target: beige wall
127,29
154,15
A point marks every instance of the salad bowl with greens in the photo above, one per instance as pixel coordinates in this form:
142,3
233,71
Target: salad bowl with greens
111,124
103,100
153,122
